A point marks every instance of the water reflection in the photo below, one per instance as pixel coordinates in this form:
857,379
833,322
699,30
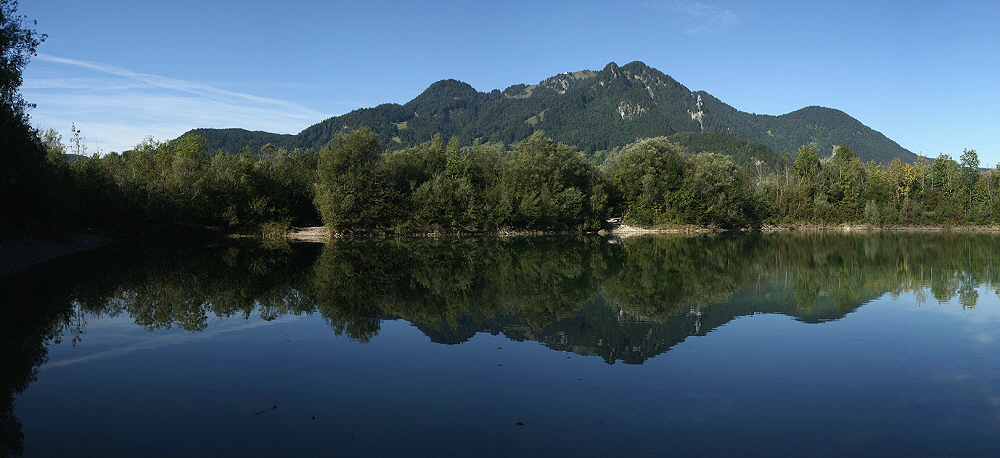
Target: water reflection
624,302
528,287
633,300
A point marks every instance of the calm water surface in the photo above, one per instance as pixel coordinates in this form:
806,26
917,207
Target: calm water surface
778,344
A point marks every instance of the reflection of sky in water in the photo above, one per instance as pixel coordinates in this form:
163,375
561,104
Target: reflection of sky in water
892,378
111,337
975,358
981,322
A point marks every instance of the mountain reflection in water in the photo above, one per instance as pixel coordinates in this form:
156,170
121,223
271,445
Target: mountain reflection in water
627,301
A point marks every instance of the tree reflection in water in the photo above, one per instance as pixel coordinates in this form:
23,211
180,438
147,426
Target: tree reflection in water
624,301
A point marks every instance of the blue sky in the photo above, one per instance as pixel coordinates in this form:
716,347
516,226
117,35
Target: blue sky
924,73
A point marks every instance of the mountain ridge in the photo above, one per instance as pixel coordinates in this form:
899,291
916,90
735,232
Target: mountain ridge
592,110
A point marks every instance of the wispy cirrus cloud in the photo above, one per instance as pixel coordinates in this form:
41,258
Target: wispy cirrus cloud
117,107
701,18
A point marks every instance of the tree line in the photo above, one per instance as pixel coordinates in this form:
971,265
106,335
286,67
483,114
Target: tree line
539,184
842,189
353,186
178,182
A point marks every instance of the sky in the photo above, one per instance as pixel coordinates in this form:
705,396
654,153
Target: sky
924,73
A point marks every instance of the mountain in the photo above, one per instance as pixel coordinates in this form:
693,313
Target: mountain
594,111
607,330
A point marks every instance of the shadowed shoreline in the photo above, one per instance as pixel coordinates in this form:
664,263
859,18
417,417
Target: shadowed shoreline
19,255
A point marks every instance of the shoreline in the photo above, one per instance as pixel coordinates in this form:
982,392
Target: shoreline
624,231
316,234
18,255
869,228
321,234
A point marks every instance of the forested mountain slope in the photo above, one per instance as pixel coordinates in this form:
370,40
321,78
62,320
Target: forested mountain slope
593,111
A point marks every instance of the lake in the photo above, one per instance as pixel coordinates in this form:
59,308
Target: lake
825,344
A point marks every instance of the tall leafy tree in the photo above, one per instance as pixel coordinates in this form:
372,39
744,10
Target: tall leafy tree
970,173
807,162
346,192
549,185
25,177
647,176
18,42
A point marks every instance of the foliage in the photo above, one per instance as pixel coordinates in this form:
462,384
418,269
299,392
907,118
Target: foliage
550,186
346,189
354,186
180,182
434,187
18,42
27,198
660,183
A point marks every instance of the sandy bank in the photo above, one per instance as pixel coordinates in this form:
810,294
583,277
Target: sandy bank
309,234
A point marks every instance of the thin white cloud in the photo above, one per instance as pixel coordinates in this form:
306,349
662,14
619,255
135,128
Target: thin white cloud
118,108
840,73
173,83
79,83
701,18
